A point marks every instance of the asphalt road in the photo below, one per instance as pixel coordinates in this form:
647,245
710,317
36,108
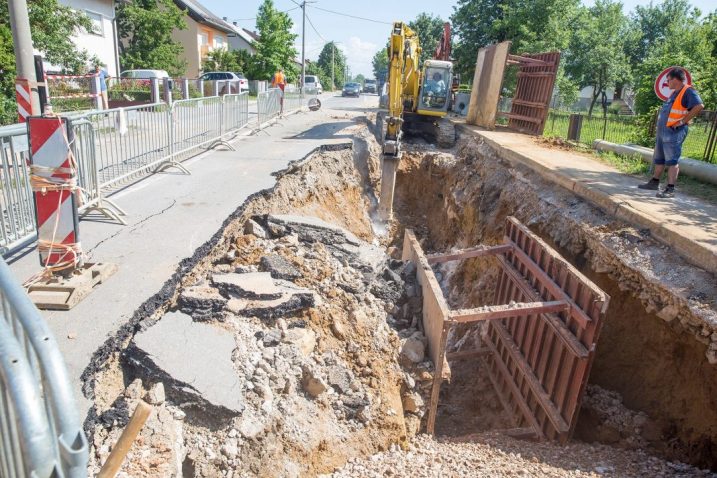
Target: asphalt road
170,215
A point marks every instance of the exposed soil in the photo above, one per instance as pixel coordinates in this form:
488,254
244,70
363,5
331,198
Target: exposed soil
339,385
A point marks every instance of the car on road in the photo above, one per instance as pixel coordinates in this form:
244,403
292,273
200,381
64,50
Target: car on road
351,89
236,84
312,81
369,86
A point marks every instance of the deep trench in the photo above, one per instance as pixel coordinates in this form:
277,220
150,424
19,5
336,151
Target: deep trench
657,367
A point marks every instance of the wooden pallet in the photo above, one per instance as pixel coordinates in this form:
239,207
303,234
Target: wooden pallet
63,293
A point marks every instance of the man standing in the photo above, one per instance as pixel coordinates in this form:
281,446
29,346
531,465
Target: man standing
279,81
672,121
103,76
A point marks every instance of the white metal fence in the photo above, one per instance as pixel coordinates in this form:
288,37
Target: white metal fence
40,432
16,202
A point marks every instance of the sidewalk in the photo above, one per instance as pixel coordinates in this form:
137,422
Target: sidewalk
689,225
170,215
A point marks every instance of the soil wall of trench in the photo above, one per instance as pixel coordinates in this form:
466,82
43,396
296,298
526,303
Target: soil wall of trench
657,346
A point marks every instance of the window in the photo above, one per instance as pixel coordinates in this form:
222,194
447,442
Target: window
97,27
219,42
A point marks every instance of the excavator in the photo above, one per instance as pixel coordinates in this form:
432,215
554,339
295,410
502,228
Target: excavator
418,98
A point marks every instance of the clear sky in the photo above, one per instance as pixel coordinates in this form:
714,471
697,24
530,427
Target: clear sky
359,38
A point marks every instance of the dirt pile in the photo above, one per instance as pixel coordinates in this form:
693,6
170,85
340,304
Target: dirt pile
326,361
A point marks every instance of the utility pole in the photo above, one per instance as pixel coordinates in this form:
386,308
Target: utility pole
303,43
333,75
22,42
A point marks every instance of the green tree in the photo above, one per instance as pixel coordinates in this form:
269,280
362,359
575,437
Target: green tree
472,22
332,59
275,47
244,60
313,68
145,31
221,60
380,65
52,26
596,56
359,79
429,30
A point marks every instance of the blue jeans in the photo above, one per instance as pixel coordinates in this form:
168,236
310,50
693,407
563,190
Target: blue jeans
668,145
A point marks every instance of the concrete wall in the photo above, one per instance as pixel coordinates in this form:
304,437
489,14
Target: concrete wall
100,42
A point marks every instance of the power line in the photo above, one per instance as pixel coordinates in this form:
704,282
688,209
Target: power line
254,18
317,32
352,16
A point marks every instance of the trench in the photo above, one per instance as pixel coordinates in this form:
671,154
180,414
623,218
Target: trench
651,385
667,400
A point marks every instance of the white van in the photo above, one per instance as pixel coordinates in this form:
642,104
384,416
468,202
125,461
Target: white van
312,81
144,74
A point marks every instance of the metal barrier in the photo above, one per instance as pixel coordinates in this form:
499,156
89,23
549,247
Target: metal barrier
268,105
113,148
292,100
16,202
40,432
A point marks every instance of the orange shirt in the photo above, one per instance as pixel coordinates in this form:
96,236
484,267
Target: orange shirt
278,80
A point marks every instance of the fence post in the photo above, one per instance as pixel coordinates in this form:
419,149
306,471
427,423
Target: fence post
185,88
604,126
167,83
200,86
96,91
575,125
154,89
711,139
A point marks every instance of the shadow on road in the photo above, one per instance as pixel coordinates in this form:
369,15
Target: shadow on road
324,131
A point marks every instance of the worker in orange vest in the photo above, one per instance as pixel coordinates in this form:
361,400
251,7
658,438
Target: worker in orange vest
675,114
279,81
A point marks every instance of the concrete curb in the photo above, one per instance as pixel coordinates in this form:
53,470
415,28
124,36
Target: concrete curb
693,252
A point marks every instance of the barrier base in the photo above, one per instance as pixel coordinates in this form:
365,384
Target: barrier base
63,293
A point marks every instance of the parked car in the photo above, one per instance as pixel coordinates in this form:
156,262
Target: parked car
237,85
143,77
370,86
312,81
351,89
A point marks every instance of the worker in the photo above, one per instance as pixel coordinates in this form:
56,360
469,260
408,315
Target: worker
103,76
279,81
675,114
436,84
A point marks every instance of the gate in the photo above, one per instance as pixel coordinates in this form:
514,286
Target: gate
540,334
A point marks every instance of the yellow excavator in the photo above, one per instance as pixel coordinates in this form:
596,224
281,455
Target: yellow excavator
418,99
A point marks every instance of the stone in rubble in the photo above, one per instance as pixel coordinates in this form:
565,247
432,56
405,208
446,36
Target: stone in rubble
271,309
312,229
412,402
156,395
251,285
340,379
279,267
312,384
254,228
303,339
413,349
201,301
193,360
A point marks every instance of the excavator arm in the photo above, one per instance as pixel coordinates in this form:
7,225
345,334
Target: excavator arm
404,80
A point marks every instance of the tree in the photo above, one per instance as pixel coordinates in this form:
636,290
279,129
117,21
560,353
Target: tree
429,30
472,22
145,30
332,60
380,65
313,68
52,26
221,60
359,79
596,56
275,47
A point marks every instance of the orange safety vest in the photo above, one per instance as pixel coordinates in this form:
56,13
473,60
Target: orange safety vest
278,80
678,111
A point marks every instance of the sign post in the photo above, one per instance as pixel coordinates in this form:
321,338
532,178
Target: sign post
661,89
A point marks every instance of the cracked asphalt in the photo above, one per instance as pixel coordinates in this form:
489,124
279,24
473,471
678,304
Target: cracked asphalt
170,215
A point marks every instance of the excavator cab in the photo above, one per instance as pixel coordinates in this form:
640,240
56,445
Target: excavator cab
435,90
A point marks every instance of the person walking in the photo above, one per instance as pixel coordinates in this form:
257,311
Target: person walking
103,76
279,81
683,105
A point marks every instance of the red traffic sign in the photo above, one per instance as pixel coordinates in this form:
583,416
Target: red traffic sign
661,89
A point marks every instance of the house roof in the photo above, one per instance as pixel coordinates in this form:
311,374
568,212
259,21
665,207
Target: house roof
200,13
244,34
252,34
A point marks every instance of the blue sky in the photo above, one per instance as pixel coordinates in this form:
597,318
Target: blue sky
358,38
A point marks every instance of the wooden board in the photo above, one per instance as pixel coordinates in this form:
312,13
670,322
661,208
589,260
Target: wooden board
487,84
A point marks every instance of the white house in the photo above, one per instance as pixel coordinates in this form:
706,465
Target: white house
101,41
240,39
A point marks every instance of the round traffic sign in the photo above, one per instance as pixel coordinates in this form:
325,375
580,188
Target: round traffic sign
661,89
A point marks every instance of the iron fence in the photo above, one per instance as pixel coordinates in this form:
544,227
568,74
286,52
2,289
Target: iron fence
268,105
40,433
17,206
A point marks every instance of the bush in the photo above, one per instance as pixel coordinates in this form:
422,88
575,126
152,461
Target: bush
644,134
8,111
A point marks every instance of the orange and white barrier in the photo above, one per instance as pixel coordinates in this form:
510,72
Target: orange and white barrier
53,179
24,101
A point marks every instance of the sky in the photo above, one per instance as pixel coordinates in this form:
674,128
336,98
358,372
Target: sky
359,38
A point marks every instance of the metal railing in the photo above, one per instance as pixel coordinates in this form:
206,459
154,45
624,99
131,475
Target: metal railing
268,105
16,201
40,432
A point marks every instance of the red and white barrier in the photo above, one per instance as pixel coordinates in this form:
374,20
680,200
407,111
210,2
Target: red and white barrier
24,101
53,179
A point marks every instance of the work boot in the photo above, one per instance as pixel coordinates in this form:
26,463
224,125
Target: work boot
668,192
653,185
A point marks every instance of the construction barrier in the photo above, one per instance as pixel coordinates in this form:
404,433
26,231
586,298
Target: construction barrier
40,432
118,146
23,98
16,202
53,180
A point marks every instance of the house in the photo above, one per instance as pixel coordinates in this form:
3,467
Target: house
241,39
101,40
205,32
